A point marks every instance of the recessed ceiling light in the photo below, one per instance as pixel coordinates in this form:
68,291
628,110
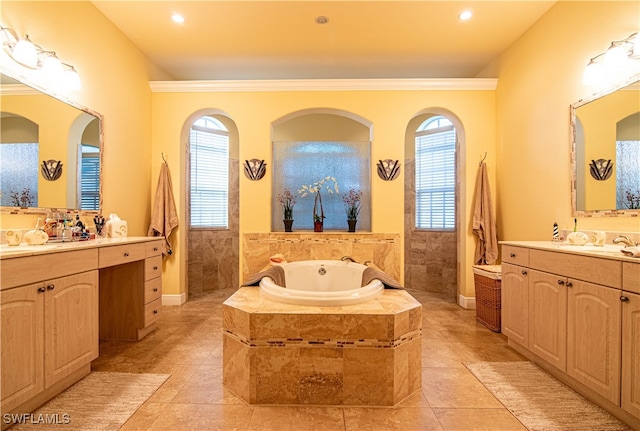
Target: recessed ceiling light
322,20
177,18
465,15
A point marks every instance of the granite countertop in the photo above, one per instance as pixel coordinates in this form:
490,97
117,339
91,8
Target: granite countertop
608,251
22,250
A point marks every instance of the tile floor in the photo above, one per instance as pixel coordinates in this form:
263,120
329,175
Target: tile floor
188,345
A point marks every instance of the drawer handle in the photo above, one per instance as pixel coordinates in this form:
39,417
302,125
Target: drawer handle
155,311
524,272
624,299
155,289
41,289
126,254
155,248
51,286
512,255
561,282
155,268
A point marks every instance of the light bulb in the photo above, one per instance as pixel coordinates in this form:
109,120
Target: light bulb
615,57
72,79
25,53
593,73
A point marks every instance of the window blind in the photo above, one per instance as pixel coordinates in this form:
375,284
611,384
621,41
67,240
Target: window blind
90,181
435,178
209,177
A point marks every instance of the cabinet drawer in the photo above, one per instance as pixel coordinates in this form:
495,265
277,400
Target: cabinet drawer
153,248
152,290
606,272
152,312
120,254
152,267
30,269
631,277
515,255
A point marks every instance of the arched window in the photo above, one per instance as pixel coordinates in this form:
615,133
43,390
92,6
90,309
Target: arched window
209,176
89,177
435,174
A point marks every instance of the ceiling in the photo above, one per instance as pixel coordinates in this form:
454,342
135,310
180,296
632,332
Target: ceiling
238,40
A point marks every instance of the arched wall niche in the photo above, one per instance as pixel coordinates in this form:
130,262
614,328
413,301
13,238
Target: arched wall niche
321,124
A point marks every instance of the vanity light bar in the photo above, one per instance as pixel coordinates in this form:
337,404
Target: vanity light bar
615,59
32,56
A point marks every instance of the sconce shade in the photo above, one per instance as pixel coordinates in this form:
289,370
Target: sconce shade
52,67
25,53
615,58
72,79
593,73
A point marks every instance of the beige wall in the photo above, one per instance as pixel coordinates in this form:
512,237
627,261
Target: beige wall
540,76
388,111
114,84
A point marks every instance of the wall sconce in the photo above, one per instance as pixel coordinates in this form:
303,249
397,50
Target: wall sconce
27,54
388,169
255,169
51,169
601,169
616,59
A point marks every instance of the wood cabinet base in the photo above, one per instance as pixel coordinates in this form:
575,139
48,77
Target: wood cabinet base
588,393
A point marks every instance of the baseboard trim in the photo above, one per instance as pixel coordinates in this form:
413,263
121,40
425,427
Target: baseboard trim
174,299
467,302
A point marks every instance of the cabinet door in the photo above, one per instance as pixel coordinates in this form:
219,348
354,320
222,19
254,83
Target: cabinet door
548,318
71,324
515,303
594,337
21,319
631,354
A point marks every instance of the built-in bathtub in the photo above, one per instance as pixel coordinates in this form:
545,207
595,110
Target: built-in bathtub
321,283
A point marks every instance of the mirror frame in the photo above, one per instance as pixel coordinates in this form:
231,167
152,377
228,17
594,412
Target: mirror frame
572,122
27,86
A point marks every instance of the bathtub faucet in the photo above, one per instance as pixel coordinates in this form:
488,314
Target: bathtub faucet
348,258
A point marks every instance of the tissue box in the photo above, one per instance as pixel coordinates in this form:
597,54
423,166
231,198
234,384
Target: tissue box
116,228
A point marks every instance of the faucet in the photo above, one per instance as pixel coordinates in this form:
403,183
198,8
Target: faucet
348,258
624,240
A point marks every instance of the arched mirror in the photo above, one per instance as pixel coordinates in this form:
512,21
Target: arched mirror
50,152
605,133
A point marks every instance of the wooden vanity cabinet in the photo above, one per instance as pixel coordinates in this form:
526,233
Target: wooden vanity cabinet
130,290
631,353
49,332
578,314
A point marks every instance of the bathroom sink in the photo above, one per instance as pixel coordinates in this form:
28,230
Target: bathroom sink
607,248
5,248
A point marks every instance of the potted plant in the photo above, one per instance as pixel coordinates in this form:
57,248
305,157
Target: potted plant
287,201
352,207
316,189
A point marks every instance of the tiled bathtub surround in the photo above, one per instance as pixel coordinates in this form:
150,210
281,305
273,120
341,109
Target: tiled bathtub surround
383,249
364,354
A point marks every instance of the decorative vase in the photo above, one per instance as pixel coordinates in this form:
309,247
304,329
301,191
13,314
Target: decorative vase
352,225
287,224
317,226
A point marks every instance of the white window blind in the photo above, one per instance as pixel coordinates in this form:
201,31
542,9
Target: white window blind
435,178
209,185
90,178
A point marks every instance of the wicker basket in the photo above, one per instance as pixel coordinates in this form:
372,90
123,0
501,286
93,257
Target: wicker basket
488,304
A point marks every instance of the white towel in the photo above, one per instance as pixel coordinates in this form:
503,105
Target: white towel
631,251
164,217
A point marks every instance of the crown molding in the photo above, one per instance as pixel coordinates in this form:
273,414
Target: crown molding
323,85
